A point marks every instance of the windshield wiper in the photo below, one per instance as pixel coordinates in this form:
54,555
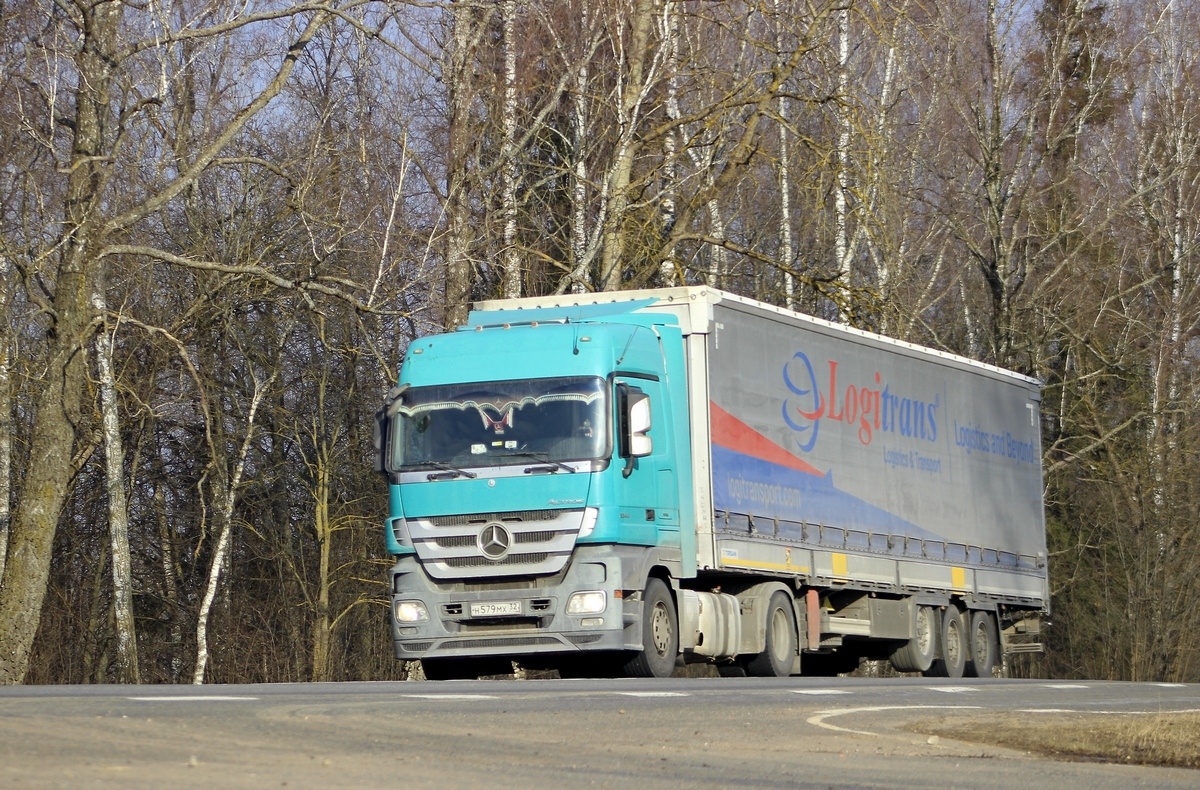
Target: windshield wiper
544,458
449,472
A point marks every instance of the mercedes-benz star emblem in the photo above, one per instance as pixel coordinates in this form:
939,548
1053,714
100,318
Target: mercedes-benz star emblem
494,541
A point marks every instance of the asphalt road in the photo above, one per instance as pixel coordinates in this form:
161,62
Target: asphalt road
677,733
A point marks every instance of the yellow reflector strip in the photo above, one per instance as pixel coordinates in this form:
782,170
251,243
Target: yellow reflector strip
958,578
840,565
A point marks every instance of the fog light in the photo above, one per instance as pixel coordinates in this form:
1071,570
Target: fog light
590,602
410,612
591,622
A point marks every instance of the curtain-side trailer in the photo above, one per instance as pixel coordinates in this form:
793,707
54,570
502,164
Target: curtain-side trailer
624,482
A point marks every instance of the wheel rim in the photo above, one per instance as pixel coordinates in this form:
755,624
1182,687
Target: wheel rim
954,642
779,634
660,629
981,646
924,631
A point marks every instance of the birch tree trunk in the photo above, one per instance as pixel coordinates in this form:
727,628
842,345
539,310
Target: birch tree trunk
470,23
670,179
511,288
841,243
579,279
225,488
6,404
118,508
786,252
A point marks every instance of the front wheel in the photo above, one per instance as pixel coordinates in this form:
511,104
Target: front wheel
660,634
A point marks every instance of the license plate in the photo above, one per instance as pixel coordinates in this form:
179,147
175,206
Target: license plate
495,609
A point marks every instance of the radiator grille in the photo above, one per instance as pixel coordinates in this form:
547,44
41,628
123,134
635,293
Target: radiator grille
531,543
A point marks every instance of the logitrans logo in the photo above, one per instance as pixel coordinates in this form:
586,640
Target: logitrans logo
870,408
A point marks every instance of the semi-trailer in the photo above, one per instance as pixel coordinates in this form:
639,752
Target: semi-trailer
626,482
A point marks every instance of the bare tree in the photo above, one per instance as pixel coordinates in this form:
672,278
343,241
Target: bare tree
6,405
91,224
469,23
118,509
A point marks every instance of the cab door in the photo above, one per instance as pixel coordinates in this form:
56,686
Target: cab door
648,500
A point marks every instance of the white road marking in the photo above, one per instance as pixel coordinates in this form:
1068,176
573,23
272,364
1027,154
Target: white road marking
820,692
952,689
1090,711
449,696
652,694
1171,685
1065,686
202,698
819,719
1047,710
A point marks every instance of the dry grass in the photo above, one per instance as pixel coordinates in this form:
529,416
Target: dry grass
1165,739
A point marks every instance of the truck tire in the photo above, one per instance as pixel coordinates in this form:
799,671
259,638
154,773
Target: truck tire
660,634
984,645
952,657
775,661
918,653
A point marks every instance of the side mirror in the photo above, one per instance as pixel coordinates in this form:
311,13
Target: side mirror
640,444
634,414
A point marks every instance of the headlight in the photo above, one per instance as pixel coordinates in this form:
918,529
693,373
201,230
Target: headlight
589,521
590,602
410,612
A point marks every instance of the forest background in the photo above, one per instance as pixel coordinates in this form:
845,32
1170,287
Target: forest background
222,223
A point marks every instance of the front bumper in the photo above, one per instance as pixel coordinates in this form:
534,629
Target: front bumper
480,617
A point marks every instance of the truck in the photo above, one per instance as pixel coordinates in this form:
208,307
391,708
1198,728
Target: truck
626,483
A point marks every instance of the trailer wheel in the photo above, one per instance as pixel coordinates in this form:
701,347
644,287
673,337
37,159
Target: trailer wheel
918,653
984,645
660,634
952,658
776,660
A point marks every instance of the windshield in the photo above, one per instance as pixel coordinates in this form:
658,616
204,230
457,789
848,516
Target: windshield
497,423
